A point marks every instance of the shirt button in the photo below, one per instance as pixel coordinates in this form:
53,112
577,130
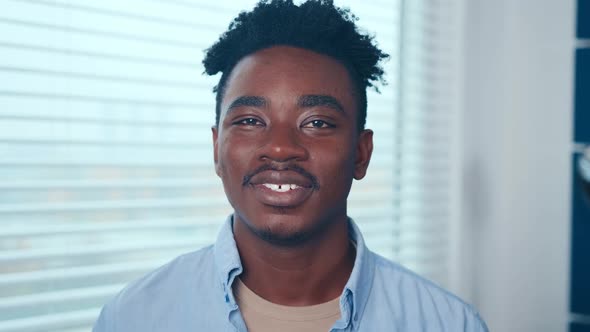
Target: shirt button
226,298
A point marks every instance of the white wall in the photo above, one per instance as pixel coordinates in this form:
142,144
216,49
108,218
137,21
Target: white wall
517,142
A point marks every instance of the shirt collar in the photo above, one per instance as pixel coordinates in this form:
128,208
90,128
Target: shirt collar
227,258
356,291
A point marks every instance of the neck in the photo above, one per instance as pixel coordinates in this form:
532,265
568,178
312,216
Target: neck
312,272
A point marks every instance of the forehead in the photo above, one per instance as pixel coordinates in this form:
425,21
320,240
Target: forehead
282,73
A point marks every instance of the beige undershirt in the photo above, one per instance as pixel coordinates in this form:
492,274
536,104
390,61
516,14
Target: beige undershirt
261,315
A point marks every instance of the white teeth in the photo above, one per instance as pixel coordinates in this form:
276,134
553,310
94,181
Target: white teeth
271,186
280,187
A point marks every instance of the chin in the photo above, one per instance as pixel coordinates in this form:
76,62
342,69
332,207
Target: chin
283,229
283,239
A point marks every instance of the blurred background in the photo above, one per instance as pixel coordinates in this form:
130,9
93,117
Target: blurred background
476,181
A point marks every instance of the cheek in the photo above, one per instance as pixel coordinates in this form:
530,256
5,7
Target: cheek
233,159
336,165
345,155
229,172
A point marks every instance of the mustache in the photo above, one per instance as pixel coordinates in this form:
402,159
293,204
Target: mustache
292,167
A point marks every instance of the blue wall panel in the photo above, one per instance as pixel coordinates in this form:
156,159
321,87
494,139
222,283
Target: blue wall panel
576,327
583,30
582,96
580,273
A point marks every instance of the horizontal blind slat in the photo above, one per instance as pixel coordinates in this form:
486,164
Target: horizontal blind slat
50,322
34,303
52,275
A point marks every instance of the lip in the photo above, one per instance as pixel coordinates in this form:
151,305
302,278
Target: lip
281,177
290,198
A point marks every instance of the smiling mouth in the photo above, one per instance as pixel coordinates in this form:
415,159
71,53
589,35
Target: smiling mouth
281,188
285,188
284,195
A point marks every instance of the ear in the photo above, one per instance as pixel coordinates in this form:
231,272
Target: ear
214,132
364,150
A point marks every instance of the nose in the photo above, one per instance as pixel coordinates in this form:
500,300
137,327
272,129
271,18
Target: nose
283,144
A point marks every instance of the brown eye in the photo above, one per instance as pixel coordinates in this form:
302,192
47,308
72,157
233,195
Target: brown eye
249,122
318,124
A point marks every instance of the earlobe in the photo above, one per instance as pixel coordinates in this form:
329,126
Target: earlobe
364,150
214,133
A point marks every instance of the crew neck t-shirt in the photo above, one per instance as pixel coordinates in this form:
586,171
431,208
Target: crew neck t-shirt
261,315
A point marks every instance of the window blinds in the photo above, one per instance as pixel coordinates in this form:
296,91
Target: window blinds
105,150
426,173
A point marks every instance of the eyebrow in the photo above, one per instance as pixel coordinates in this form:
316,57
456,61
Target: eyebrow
247,101
308,101
305,101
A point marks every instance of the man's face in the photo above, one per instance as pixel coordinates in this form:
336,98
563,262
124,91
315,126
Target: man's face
287,146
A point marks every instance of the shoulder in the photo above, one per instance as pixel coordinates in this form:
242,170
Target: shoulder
402,280
175,284
182,270
419,303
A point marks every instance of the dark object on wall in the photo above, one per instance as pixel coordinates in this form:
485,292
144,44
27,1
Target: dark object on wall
583,19
580,267
582,96
583,169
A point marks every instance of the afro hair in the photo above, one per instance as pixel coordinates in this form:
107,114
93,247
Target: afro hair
315,25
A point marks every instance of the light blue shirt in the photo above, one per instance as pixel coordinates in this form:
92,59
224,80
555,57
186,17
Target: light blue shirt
194,293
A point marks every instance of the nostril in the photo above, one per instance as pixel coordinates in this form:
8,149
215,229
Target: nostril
281,145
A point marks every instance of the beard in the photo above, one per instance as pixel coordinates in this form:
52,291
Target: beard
293,239
283,236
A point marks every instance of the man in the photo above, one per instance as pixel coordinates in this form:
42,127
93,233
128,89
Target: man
288,140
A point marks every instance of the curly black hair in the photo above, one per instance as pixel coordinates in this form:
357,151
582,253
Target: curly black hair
315,25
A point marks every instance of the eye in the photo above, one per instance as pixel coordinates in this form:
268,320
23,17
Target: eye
318,124
249,122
